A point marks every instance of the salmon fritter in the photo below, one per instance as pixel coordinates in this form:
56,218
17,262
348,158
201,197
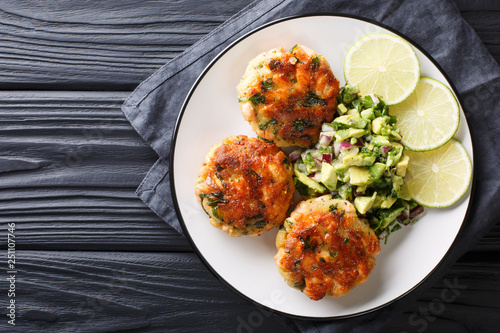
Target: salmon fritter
324,249
245,185
287,96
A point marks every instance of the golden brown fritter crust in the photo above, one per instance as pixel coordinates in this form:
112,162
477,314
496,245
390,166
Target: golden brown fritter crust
245,185
287,96
324,249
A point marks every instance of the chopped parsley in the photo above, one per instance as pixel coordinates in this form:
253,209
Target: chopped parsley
268,84
312,99
315,62
257,99
301,124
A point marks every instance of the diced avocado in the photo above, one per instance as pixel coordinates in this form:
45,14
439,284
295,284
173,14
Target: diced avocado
363,204
387,202
394,154
342,135
343,120
328,176
368,114
383,126
361,188
395,136
357,121
341,170
358,160
397,181
353,112
341,108
351,119
309,182
359,175
402,165
377,170
345,191
384,202
403,192
386,216
380,140
378,124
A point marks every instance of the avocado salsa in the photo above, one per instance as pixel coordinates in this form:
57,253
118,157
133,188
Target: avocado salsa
359,158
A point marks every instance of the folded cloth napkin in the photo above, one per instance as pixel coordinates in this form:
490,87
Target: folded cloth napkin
435,25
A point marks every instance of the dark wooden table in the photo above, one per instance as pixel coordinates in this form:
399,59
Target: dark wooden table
90,256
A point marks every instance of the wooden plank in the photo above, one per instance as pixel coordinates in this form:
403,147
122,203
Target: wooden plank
477,5
100,45
486,24
136,292
466,300
174,292
69,165
56,44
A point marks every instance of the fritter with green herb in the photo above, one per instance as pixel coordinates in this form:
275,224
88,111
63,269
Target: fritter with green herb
245,185
287,95
324,249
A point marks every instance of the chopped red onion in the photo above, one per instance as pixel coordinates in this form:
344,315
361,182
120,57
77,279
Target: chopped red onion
385,149
416,213
315,176
327,158
325,139
345,145
304,153
403,217
336,148
359,143
326,128
374,99
294,156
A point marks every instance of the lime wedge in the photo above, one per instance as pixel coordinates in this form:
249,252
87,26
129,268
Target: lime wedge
429,117
440,177
383,64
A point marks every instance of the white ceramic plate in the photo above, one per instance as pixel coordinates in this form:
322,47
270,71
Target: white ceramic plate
211,113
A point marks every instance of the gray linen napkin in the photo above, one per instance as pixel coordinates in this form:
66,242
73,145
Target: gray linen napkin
436,25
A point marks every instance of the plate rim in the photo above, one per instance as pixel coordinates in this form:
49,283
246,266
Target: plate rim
174,141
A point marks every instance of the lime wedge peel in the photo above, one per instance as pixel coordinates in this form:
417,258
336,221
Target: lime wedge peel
384,64
429,117
440,177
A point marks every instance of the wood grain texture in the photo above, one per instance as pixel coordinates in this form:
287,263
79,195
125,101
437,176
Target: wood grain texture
107,45
132,292
98,45
466,300
486,24
69,167
70,163
174,292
